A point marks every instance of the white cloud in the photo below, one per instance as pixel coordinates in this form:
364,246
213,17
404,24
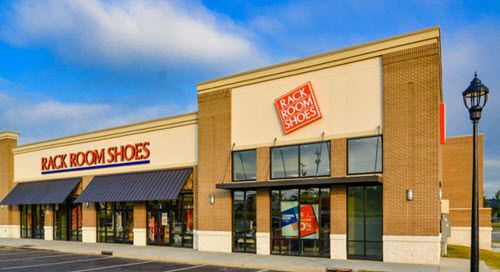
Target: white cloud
492,164
128,32
39,120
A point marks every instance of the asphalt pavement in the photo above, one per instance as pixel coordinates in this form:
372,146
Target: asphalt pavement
18,259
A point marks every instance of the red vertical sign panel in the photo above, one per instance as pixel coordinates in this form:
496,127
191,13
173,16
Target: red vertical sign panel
442,123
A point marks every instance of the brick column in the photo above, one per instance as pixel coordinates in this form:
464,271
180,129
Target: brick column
9,215
214,156
140,238
89,219
263,222
412,94
338,222
48,227
338,157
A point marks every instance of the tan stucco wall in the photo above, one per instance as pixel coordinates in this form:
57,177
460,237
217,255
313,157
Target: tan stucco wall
172,147
349,97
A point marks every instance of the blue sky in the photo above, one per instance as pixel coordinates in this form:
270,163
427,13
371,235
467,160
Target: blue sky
68,67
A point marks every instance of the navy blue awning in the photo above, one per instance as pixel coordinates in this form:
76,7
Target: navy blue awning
41,192
141,186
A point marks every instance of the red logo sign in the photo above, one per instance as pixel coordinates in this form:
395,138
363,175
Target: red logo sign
298,108
96,158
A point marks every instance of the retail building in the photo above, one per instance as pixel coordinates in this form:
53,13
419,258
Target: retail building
340,155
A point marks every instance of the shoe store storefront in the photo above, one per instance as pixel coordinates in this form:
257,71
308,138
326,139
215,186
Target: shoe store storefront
341,155
130,185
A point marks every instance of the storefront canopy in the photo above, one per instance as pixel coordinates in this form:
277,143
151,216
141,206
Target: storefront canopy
41,192
142,186
299,182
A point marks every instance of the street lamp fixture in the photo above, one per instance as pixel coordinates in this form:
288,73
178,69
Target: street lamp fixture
475,98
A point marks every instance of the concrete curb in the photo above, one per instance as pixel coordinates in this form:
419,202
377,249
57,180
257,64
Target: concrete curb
177,259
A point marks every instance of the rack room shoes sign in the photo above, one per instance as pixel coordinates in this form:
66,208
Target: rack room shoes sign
298,108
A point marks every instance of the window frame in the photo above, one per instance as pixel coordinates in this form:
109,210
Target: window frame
328,142
232,164
299,238
381,155
364,256
233,236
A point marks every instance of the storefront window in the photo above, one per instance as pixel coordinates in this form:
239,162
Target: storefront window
364,219
306,160
244,221
68,221
115,222
364,155
244,168
170,223
300,221
32,221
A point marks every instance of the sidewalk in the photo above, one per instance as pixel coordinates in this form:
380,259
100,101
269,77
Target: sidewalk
189,256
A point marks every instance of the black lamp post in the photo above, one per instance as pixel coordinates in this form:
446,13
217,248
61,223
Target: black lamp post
475,98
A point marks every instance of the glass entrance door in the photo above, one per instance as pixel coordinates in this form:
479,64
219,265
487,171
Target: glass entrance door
244,221
158,224
170,223
115,222
364,220
300,221
68,221
124,222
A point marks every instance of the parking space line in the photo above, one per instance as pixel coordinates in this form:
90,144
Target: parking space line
37,257
57,263
112,266
20,252
185,268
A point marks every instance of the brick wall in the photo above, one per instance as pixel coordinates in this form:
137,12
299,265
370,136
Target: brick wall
49,217
139,215
214,156
263,210
338,157
461,217
338,212
457,171
412,93
88,213
7,216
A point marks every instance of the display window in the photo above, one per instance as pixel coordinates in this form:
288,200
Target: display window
304,160
115,222
171,223
364,155
32,221
244,165
300,220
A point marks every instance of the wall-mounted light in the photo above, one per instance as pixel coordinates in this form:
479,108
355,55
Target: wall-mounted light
409,194
212,199
87,204
1,206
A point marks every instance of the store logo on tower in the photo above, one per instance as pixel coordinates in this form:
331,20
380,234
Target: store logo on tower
298,108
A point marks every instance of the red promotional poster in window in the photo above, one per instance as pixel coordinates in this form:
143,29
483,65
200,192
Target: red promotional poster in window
298,108
308,222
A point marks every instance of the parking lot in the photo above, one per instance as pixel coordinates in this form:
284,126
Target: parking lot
18,259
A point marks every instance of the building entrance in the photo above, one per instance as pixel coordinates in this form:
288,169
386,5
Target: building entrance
115,222
170,223
68,221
